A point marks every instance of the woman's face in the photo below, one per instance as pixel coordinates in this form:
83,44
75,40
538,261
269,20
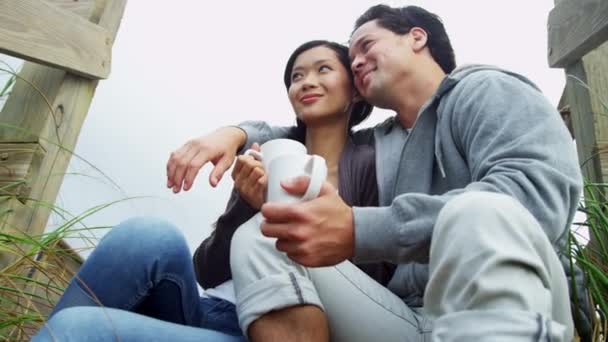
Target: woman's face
320,87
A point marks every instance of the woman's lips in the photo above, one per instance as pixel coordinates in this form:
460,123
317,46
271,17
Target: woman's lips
308,99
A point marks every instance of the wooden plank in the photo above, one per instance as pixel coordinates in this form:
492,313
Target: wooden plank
40,32
575,28
17,162
27,110
596,69
82,8
70,99
583,122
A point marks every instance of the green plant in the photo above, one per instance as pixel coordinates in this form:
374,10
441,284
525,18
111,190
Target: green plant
592,257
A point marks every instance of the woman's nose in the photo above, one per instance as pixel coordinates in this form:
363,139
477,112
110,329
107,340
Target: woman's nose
309,82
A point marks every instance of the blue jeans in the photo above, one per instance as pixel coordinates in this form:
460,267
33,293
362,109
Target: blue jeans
139,284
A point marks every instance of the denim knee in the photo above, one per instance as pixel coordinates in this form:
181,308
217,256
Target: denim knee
142,239
73,321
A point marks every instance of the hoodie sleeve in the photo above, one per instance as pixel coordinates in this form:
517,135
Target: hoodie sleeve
261,132
514,143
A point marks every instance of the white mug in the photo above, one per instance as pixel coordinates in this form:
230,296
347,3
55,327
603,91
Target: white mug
275,148
284,159
286,167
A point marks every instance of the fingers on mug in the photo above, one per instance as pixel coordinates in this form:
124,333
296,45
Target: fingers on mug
291,166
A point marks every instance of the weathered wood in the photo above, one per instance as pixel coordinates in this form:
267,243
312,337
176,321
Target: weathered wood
41,32
55,130
575,28
596,69
82,8
17,162
583,122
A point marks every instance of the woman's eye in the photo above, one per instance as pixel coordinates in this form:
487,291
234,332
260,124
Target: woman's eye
296,77
323,68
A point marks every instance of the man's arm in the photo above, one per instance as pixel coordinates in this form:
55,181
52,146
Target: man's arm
261,132
514,143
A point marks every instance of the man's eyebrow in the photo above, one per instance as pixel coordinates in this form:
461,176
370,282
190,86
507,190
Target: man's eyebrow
358,40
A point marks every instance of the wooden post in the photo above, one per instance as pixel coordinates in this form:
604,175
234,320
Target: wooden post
45,112
578,35
577,30
47,108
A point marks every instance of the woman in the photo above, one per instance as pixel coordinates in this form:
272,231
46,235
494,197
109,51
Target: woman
157,292
278,299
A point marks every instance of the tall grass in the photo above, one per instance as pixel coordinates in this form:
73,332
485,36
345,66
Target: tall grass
592,258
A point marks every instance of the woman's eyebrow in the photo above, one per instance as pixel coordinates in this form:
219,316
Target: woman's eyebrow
317,62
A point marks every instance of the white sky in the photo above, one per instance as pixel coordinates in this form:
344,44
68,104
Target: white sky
182,68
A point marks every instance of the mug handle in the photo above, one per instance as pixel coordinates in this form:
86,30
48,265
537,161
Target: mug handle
255,154
318,174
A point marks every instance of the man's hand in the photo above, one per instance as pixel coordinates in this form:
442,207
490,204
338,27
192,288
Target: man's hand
315,233
219,148
250,179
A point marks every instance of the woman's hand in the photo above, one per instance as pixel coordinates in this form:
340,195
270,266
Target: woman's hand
250,179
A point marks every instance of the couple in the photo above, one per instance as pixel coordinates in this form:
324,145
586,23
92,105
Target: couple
477,184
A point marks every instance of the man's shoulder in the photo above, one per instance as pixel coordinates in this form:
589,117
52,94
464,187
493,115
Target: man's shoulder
486,78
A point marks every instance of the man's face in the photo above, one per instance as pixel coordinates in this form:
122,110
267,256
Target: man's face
379,58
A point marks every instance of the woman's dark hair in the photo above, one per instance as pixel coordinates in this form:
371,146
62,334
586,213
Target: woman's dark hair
402,20
361,109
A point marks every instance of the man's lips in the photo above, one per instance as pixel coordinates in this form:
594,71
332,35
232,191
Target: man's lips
363,76
310,98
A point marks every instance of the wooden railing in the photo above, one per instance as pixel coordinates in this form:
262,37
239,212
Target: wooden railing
67,45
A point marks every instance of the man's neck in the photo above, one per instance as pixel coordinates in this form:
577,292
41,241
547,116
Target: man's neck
415,92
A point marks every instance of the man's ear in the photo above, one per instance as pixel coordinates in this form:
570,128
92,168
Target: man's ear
420,38
357,97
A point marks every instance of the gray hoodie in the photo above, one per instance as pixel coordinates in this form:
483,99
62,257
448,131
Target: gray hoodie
484,129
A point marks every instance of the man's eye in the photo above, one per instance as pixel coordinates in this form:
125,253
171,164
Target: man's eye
365,45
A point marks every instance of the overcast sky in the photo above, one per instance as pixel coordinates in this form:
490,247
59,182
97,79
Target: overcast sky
182,68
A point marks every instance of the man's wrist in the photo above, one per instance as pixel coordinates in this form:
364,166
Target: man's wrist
239,134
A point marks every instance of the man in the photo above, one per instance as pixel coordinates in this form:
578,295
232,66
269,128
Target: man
478,184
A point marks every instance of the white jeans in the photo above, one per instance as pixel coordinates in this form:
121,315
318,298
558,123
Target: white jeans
494,276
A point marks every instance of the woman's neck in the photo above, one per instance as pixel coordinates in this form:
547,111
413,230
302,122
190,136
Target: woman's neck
327,141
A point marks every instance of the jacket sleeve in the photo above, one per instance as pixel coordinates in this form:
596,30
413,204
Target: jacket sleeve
514,143
212,258
261,132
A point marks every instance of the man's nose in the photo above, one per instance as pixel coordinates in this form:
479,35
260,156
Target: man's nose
357,64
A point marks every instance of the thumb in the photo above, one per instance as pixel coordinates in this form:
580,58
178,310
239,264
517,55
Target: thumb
327,188
255,147
297,185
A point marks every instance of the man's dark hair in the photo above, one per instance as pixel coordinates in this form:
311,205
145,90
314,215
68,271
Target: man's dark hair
402,20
